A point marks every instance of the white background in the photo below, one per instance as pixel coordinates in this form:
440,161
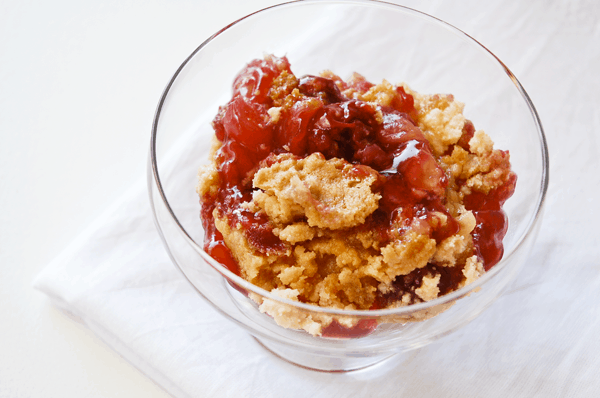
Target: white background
79,82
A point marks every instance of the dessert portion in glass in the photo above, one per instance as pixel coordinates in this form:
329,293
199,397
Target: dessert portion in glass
381,41
349,195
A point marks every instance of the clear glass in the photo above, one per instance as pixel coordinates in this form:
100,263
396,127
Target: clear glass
378,40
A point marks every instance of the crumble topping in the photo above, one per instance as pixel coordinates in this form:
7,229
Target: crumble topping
328,193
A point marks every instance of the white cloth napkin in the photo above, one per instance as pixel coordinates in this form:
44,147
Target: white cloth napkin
539,339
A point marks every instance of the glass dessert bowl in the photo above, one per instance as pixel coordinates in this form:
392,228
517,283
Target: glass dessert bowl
380,41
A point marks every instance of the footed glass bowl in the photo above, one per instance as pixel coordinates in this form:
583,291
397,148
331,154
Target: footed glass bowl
379,41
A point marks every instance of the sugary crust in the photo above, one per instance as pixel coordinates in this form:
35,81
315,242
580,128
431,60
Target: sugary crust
327,192
481,173
429,288
208,176
452,249
291,317
473,270
440,118
208,180
410,252
381,94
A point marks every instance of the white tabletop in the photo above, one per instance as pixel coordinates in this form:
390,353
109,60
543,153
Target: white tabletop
79,82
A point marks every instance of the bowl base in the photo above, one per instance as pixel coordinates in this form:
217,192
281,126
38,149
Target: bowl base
322,362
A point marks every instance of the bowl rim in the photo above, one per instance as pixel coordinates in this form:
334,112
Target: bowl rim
154,177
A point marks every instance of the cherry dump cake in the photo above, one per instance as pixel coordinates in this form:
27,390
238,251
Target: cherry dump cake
349,195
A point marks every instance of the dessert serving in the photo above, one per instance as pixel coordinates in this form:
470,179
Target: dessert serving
349,195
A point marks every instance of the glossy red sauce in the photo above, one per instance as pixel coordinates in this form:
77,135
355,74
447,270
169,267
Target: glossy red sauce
492,223
363,328
412,184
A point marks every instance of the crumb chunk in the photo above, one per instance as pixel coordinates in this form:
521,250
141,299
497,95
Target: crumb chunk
473,270
481,143
429,288
290,317
208,180
297,232
441,119
324,191
411,252
381,94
